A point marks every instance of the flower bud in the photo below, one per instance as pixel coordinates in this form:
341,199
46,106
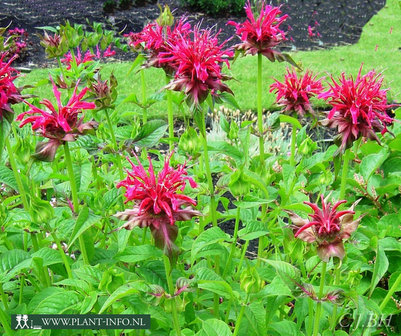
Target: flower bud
238,184
250,281
190,143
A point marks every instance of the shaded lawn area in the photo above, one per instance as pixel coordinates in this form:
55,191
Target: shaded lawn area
378,48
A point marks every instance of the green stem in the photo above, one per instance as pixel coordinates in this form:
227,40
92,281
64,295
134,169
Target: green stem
3,296
293,141
144,109
75,201
35,242
167,267
337,276
244,249
17,176
61,68
170,115
240,316
390,292
346,162
21,289
319,304
63,256
208,171
260,114
5,324
234,243
310,320
113,138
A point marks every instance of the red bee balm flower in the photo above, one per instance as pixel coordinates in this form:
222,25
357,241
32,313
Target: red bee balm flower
156,39
328,228
60,123
262,34
296,91
198,63
9,94
359,107
159,204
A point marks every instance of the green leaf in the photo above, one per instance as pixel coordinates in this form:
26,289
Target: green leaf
49,28
123,291
83,175
10,262
229,99
4,129
7,177
89,302
283,268
256,316
48,255
253,230
206,238
223,147
54,300
380,268
283,328
288,119
84,221
134,254
220,287
372,162
150,133
214,327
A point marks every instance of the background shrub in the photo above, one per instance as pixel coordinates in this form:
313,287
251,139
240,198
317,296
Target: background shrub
216,7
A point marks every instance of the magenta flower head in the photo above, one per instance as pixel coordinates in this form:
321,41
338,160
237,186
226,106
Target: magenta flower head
156,40
198,62
58,124
9,94
294,93
359,107
328,227
159,201
260,35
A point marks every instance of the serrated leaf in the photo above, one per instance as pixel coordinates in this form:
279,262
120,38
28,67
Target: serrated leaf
84,221
223,147
256,316
83,176
134,254
371,162
11,262
89,302
220,287
150,133
123,291
214,327
53,301
291,120
283,268
253,230
7,177
206,238
380,268
229,99
48,255
283,328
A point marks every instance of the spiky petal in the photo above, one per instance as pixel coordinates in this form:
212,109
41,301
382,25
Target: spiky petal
359,107
261,34
295,92
159,201
9,94
328,227
58,123
198,65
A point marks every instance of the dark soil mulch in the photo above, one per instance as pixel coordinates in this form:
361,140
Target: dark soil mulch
338,22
